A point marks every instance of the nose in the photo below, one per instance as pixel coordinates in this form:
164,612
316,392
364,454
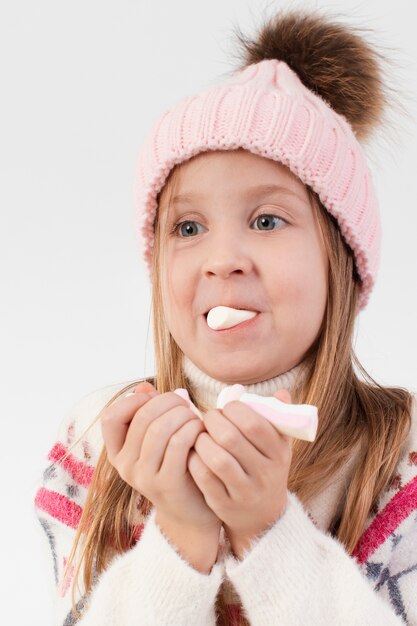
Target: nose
227,254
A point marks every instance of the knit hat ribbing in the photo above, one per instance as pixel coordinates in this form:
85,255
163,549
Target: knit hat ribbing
267,110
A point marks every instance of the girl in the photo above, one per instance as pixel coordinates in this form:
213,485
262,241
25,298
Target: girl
254,194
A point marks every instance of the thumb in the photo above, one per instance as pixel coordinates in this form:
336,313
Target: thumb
146,387
284,395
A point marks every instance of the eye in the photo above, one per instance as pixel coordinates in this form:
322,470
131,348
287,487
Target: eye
185,229
189,228
267,221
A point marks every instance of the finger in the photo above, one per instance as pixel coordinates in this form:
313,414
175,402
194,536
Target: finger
208,483
284,395
160,433
116,419
123,420
258,431
229,437
146,387
179,445
148,413
223,464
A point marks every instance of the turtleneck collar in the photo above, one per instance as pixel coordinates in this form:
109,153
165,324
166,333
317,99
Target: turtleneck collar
206,389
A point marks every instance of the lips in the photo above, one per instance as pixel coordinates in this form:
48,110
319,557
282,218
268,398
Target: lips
238,328
247,307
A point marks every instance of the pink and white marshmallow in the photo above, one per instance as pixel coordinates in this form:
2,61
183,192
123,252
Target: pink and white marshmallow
295,420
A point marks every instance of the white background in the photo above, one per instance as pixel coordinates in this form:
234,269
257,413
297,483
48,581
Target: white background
81,83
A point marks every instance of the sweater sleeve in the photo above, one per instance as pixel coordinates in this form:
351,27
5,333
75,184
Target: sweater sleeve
152,585
149,585
297,574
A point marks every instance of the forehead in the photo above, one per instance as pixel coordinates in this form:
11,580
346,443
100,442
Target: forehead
237,172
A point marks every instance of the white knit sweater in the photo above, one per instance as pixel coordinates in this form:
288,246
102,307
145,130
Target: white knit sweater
295,574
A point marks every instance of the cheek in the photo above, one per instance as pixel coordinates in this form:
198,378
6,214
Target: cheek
300,286
178,289
310,293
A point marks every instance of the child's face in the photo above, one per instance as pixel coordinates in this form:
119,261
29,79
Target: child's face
226,253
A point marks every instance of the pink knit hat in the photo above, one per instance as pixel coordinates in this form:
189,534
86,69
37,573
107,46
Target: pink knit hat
267,110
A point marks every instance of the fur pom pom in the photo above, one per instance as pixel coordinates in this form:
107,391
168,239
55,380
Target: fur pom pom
331,59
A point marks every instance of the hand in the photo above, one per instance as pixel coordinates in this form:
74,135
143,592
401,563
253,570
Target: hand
148,437
241,464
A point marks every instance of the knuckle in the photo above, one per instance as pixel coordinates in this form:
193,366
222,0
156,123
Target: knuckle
107,417
203,474
183,411
178,400
227,439
253,428
219,463
177,440
197,422
156,429
184,434
135,479
200,428
143,411
183,415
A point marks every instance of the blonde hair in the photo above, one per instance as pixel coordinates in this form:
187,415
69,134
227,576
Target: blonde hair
354,413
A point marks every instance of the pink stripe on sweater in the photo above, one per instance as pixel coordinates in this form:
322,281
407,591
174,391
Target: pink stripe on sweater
80,471
387,521
58,506
66,511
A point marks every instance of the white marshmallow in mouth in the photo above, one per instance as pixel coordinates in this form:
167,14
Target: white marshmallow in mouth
221,317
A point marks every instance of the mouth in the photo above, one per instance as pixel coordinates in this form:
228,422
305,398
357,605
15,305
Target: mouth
238,308
244,326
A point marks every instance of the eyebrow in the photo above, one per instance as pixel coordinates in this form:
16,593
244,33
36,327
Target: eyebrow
250,192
